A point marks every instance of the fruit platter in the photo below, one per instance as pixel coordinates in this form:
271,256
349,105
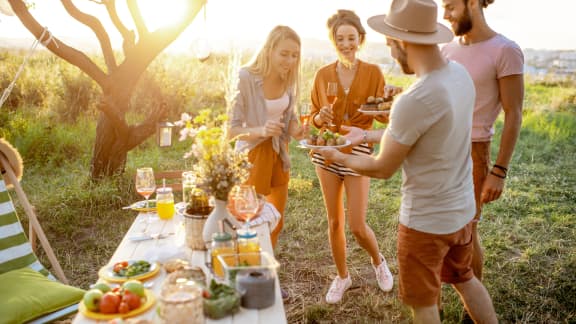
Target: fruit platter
324,138
126,270
103,302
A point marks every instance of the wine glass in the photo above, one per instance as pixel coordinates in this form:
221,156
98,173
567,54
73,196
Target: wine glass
145,185
243,203
332,95
304,114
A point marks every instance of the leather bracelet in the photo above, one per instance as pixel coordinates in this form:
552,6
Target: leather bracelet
497,175
497,166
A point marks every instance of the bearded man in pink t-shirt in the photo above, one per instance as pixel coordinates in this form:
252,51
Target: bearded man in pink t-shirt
495,64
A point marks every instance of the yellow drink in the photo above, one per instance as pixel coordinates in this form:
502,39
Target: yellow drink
165,209
249,253
230,260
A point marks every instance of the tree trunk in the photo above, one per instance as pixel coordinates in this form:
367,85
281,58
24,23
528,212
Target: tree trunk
109,155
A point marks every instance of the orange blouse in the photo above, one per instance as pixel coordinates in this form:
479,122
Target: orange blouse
368,81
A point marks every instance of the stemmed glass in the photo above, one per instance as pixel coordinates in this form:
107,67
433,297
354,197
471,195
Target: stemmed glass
332,95
244,203
304,114
145,186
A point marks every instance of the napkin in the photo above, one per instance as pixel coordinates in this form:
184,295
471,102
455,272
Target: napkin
268,214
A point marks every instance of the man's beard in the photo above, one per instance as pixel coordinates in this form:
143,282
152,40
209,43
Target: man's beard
402,59
464,24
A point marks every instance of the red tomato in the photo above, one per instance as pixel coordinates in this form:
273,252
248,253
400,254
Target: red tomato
109,303
132,300
123,308
205,294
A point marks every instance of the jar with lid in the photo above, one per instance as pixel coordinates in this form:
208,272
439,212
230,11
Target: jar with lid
165,203
248,248
222,244
181,302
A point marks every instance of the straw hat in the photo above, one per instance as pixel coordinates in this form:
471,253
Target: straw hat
11,154
413,21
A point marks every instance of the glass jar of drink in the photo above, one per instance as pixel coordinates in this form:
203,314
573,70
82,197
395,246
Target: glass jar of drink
248,248
222,243
188,185
165,203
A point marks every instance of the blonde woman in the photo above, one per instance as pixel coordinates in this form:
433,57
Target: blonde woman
263,116
357,80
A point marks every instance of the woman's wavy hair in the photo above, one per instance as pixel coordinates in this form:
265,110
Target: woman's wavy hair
345,17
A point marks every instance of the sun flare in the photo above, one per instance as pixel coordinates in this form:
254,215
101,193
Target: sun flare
158,14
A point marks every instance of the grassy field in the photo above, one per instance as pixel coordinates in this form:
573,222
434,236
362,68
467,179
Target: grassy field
529,234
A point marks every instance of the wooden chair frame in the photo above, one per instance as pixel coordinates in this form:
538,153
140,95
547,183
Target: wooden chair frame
35,229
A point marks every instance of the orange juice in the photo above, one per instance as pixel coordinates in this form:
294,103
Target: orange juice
249,254
165,209
165,203
230,260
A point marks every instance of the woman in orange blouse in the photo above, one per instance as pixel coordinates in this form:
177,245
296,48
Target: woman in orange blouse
357,80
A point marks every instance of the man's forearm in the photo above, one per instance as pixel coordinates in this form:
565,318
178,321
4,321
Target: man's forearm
510,134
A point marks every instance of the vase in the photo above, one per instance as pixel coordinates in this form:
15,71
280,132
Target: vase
218,214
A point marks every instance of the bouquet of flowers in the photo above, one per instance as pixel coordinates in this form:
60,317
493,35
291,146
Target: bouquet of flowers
218,166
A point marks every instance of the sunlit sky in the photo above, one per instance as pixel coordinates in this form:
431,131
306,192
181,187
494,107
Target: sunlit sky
531,23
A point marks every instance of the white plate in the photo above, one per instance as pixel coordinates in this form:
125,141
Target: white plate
107,272
304,144
374,112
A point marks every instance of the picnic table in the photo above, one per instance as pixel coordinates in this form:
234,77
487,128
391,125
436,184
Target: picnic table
175,246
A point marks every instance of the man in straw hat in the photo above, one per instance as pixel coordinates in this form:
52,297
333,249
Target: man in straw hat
496,66
429,137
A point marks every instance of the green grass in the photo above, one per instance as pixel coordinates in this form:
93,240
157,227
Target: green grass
528,234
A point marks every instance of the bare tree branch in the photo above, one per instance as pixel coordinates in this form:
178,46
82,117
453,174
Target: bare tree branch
127,35
56,46
137,17
96,26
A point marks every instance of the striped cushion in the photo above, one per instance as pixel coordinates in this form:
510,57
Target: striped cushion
15,249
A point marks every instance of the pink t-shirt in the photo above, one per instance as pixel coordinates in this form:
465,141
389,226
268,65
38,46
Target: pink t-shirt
487,62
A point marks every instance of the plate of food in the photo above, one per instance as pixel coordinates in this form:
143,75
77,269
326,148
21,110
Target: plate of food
126,270
376,106
324,138
125,302
141,206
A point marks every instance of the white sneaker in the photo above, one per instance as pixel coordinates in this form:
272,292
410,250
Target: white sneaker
383,275
337,289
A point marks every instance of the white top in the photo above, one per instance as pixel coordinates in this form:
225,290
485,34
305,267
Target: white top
276,107
434,117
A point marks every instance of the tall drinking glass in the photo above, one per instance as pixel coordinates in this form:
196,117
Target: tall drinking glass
332,95
145,186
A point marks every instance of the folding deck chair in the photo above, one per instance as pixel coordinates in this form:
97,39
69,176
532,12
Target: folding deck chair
28,291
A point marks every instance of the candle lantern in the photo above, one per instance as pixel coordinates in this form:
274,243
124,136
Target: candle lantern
164,134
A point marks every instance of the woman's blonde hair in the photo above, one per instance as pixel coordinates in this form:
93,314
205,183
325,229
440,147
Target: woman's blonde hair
260,64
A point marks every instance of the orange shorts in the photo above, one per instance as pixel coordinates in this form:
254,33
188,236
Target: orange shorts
426,260
267,171
480,169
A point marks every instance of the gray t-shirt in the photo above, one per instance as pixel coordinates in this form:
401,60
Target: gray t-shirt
434,116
